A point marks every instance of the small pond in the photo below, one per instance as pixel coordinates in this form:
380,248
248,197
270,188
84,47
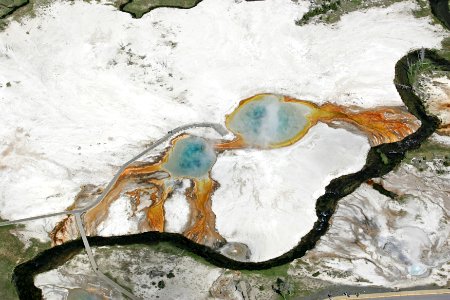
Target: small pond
191,157
268,120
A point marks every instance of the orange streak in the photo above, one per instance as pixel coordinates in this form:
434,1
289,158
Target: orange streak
381,125
237,143
138,170
98,214
202,219
156,213
311,105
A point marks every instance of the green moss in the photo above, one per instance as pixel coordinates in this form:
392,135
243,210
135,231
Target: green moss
137,8
421,67
8,6
423,10
445,51
356,2
319,10
330,11
161,284
27,9
384,158
429,151
280,271
163,247
12,253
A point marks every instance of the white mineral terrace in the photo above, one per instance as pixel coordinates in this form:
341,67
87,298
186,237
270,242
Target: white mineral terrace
85,92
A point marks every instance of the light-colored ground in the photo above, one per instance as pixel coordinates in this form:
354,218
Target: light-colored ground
266,199
83,85
82,97
375,240
436,91
142,267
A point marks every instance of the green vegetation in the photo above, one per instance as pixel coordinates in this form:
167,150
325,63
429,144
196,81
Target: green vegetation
445,51
12,253
322,9
9,6
419,68
279,281
170,249
423,10
284,288
161,284
330,11
424,67
430,155
272,281
27,9
280,271
137,8
164,247
384,158
430,152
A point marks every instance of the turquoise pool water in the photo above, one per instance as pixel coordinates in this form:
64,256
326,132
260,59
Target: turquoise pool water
269,120
191,157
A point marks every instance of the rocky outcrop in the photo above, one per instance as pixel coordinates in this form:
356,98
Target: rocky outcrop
436,94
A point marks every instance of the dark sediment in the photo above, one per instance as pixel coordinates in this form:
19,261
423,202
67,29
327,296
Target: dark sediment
380,189
124,7
440,9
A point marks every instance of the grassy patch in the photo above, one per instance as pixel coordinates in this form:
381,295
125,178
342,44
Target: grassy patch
421,67
278,281
30,9
163,247
27,9
429,151
280,271
8,6
12,253
319,10
384,158
445,51
423,9
330,11
424,67
138,8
